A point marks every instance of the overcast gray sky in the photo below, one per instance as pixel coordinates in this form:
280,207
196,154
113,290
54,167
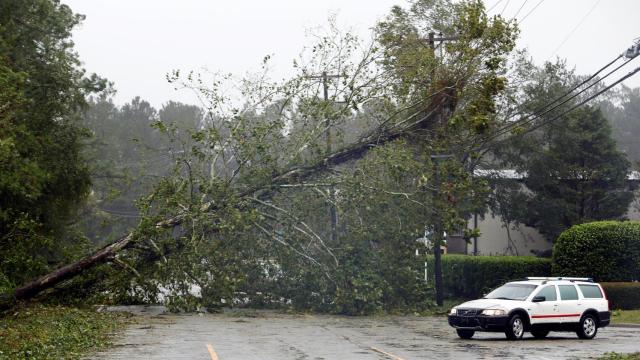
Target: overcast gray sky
136,42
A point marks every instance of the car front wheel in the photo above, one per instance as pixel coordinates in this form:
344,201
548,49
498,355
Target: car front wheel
588,327
515,327
465,334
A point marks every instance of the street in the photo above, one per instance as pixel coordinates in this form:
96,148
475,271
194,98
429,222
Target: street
249,334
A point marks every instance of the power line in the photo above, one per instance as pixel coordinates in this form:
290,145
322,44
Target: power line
494,5
120,213
530,11
505,7
575,28
518,12
545,109
545,122
630,74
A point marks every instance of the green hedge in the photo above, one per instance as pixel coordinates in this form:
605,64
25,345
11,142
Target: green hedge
623,295
470,277
604,250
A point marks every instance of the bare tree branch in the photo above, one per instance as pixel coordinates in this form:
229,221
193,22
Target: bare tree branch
309,231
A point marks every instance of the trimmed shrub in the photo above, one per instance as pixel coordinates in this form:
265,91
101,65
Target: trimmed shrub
604,250
470,277
623,295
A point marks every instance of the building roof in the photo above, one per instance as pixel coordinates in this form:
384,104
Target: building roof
511,174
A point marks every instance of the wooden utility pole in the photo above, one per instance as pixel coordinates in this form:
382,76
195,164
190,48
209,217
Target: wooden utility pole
438,227
475,238
333,215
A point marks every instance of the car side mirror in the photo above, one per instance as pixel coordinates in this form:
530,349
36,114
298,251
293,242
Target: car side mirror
539,299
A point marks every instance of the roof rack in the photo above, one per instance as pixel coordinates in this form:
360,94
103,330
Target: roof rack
559,278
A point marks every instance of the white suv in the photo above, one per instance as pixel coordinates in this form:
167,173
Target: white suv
537,305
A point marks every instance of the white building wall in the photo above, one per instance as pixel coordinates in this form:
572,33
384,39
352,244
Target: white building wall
494,238
634,210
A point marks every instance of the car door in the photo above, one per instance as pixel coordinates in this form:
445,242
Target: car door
570,307
545,312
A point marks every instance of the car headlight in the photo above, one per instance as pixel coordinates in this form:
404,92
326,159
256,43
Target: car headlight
453,311
493,312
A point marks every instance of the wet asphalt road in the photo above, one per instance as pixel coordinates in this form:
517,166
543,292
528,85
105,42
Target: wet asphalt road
254,335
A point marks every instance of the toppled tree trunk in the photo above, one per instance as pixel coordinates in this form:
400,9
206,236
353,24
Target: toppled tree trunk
68,271
352,152
55,277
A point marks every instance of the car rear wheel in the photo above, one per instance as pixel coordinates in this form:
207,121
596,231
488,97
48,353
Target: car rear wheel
588,327
515,327
539,334
465,334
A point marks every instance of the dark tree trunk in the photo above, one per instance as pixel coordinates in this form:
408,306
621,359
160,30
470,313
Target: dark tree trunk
68,271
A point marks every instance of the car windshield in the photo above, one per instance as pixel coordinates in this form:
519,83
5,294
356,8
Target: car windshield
511,292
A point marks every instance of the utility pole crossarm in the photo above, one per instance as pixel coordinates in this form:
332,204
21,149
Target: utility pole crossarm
431,39
446,38
324,76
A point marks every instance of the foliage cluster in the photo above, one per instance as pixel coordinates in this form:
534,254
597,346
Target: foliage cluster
470,277
366,283
604,250
623,295
369,272
55,332
43,175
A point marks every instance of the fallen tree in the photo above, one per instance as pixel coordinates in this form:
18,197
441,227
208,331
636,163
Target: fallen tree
443,104
293,175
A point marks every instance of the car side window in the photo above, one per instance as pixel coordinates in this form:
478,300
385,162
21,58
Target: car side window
590,291
568,292
549,293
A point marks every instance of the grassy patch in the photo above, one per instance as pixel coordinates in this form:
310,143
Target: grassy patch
625,317
55,332
617,356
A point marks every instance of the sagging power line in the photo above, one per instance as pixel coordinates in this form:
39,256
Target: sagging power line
630,74
520,9
530,11
575,28
631,53
563,99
